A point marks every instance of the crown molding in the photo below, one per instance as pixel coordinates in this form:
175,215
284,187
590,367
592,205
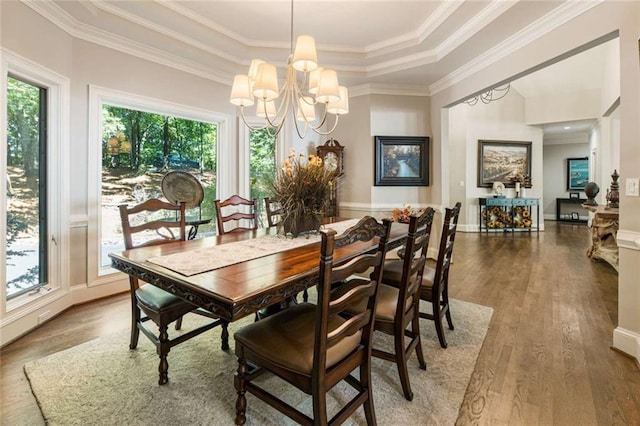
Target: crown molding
552,20
385,89
88,33
160,29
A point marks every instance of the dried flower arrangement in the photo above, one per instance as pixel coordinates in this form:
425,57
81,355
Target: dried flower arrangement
522,178
402,215
302,187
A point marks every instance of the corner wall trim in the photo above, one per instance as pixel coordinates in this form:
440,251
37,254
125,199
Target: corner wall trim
628,342
628,239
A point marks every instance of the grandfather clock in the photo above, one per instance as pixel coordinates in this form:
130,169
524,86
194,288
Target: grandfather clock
332,154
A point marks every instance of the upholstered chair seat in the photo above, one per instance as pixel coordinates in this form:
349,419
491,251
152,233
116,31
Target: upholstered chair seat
161,303
287,338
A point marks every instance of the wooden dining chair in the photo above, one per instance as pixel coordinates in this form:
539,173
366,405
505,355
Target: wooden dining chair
155,222
397,311
313,347
238,209
274,212
435,281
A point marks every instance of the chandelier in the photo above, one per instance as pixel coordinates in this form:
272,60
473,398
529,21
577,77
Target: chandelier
317,89
490,95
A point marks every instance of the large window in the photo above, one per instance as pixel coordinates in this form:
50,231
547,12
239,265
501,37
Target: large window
138,149
135,141
262,166
26,188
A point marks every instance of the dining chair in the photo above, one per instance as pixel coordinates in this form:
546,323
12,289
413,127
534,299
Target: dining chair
274,212
156,222
435,281
239,209
313,347
397,311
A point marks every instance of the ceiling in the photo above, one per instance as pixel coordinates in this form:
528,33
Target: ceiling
412,47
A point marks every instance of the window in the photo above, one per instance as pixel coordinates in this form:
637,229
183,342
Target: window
26,225
34,193
135,141
138,149
262,166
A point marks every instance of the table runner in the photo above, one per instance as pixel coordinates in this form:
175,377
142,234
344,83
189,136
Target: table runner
197,261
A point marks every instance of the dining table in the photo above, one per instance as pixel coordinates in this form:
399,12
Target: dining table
261,272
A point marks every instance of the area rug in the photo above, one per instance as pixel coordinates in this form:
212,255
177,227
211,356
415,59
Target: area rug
102,382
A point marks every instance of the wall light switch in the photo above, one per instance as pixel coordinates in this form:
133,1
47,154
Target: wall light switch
632,188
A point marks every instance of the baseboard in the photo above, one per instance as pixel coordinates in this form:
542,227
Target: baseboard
627,342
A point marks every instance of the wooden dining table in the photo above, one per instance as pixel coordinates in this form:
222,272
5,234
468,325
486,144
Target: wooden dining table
235,291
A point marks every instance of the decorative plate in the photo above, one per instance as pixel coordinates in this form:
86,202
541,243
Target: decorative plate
182,186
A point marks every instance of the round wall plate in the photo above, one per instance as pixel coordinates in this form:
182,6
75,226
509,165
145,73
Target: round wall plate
180,187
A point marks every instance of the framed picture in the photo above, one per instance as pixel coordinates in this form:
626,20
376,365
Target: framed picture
577,173
402,161
499,161
575,216
574,195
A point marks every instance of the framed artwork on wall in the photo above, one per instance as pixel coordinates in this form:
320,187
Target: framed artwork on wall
577,173
500,161
401,161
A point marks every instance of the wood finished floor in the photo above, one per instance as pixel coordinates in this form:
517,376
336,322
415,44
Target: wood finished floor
546,359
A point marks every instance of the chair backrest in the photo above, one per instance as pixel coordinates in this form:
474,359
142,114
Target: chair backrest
243,209
449,227
366,230
152,222
274,212
414,255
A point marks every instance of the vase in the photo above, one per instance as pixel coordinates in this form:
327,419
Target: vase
296,225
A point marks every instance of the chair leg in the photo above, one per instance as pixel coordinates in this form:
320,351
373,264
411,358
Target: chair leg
163,351
415,329
241,402
135,331
179,323
401,363
445,303
437,318
365,379
225,336
319,407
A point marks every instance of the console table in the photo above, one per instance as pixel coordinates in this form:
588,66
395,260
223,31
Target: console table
509,214
604,227
573,215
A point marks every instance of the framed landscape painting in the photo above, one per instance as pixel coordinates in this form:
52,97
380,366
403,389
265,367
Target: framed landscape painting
402,161
577,173
499,161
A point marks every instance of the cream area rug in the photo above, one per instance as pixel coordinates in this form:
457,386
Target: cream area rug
102,382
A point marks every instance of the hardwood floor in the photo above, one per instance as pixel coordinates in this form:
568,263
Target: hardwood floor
546,359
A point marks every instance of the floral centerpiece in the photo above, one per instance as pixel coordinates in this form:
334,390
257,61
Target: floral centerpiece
302,187
402,215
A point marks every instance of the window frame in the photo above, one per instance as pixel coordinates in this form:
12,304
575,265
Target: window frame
98,96
57,146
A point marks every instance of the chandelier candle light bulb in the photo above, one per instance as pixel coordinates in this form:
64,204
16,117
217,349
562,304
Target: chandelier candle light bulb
318,87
